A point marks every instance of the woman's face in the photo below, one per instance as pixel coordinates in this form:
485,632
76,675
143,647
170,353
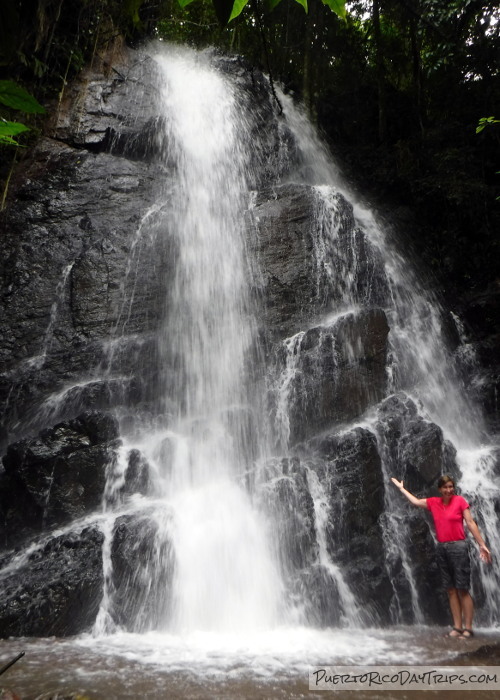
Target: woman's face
447,490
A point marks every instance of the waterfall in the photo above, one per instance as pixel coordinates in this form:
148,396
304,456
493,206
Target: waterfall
224,575
271,361
372,272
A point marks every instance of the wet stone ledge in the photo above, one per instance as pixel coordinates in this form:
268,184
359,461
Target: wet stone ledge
55,589
56,477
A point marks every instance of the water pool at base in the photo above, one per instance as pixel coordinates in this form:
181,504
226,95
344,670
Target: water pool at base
273,664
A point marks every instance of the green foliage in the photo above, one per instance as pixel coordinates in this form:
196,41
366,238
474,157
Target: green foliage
336,6
9,129
238,7
484,122
15,97
223,10
227,10
131,11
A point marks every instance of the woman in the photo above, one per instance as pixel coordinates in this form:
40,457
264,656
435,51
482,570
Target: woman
449,512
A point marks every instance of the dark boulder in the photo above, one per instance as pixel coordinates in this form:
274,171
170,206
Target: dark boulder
137,474
414,448
143,569
303,268
287,497
59,476
56,589
318,589
284,247
355,541
336,374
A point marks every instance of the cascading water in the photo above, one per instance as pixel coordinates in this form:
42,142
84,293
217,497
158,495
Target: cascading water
224,576
370,272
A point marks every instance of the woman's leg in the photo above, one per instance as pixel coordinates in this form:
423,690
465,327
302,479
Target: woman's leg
456,611
467,606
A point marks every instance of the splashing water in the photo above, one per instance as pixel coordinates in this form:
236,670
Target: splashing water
421,363
221,560
224,576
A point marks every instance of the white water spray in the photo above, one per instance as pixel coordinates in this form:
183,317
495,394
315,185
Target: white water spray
421,363
224,575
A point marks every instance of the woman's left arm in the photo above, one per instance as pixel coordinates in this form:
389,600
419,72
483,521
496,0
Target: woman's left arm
484,552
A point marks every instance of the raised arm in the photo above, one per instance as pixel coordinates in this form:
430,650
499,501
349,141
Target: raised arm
419,502
484,552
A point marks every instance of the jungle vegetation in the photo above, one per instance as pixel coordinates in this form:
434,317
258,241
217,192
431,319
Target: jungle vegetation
399,89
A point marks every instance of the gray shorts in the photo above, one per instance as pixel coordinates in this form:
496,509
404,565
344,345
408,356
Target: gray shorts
454,564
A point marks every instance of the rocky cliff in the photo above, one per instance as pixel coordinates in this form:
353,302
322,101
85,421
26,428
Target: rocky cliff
86,271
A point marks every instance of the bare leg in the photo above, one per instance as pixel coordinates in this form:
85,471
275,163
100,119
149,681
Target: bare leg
456,610
467,606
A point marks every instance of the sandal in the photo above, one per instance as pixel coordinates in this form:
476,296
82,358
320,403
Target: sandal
467,634
455,636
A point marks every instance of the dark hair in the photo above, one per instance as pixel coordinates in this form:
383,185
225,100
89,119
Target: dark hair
444,479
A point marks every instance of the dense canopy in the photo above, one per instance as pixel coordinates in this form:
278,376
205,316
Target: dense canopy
397,87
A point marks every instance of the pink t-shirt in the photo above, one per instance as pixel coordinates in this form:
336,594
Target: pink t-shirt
448,519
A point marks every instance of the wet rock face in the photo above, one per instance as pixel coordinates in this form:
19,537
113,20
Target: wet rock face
87,268
58,476
414,447
356,504
67,252
141,598
284,247
339,371
98,105
273,149
72,242
307,246
55,590
287,499
87,260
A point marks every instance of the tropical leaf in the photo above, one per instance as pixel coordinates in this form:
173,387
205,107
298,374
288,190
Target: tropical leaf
7,140
484,122
16,97
184,3
238,8
223,10
303,3
12,128
337,6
